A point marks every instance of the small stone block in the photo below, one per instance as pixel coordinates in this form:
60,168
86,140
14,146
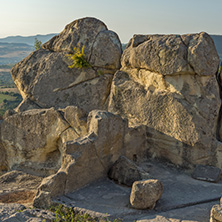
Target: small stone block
207,173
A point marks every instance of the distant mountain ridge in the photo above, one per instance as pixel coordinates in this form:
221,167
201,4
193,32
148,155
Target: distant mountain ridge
11,53
12,50
15,48
218,43
30,40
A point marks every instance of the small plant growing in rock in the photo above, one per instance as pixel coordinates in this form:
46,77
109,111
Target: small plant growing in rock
78,58
64,214
38,44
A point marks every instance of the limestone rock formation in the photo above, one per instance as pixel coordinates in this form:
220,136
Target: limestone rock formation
144,194
167,82
73,124
44,79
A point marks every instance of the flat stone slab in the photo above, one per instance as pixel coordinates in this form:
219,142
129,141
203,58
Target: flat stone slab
207,173
104,197
181,191
196,213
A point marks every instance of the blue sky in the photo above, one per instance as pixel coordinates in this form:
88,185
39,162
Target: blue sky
125,17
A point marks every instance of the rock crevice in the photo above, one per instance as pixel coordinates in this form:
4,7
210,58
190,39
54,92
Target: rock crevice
219,120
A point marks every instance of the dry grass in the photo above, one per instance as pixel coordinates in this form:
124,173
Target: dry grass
21,197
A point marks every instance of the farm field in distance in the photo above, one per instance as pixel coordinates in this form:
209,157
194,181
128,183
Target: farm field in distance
12,50
9,94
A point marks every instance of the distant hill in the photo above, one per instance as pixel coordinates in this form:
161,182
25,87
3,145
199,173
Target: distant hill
15,48
11,53
30,40
218,43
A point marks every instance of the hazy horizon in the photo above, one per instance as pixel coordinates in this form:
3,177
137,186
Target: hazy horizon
28,17
27,35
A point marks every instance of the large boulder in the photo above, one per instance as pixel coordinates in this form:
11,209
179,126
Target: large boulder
167,83
45,80
145,194
67,147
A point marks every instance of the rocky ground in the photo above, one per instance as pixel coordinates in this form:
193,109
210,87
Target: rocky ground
183,198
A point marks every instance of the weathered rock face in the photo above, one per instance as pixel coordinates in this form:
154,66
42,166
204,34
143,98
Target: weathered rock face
168,84
172,54
32,140
44,79
102,47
